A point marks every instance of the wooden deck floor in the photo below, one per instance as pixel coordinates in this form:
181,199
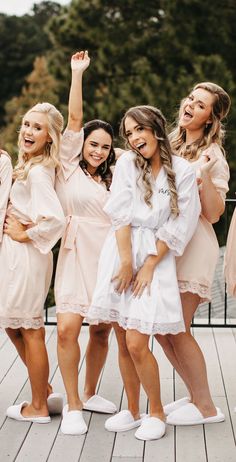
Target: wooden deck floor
24,442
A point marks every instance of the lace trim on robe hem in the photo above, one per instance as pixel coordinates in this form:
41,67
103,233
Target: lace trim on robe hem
69,308
204,292
16,323
106,316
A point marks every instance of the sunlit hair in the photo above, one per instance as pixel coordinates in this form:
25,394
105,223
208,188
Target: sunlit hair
213,132
151,117
50,156
104,170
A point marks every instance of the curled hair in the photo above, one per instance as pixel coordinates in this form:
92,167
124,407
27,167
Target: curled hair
213,131
151,117
104,170
50,155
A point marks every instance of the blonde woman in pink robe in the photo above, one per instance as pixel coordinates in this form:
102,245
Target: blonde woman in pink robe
34,223
198,138
82,185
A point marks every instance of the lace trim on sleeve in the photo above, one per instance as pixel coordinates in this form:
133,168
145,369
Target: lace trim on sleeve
174,243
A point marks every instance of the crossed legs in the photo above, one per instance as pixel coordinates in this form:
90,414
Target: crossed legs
185,355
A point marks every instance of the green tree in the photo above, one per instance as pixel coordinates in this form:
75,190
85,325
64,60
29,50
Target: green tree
40,86
22,39
146,55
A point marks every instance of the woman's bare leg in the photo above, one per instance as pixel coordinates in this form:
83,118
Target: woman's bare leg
96,354
147,369
38,368
186,356
69,326
128,372
16,337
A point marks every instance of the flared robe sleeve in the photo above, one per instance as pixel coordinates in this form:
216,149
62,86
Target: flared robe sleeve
176,232
5,187
45,210
70,151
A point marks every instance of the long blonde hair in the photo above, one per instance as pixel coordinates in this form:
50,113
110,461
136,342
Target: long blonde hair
213,132
151,117
50,156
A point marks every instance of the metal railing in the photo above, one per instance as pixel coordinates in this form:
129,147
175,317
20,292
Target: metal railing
220,312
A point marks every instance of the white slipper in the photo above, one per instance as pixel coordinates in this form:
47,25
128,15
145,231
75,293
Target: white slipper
122,422
73,422
98,404
151,428
55,403
14,412
190,415
171,407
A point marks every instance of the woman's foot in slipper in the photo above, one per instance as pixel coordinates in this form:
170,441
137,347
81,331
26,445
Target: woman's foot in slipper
151,428
174,405
73,422
99,404
190,415
25,412
123,421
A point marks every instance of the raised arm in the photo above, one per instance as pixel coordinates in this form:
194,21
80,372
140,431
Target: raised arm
79,63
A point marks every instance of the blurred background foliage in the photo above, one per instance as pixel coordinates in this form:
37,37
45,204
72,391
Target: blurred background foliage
149,52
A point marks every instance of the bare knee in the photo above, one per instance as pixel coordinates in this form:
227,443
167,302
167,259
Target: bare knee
66,334
100,334
33,335
136,351
14,334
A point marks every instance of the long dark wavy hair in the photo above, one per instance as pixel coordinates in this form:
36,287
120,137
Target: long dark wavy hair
104,170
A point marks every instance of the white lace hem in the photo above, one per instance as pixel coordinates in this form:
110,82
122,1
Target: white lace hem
63,308
16,323
99,315
204,292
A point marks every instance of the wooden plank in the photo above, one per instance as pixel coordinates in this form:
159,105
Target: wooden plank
14,387
99,442
165,447
219,437
66,444
45,442
128,459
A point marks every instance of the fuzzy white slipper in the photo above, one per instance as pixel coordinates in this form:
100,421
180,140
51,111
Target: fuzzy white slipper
122,422
190,415
171,407
55,403
73,422
151,428
99,404
14,412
